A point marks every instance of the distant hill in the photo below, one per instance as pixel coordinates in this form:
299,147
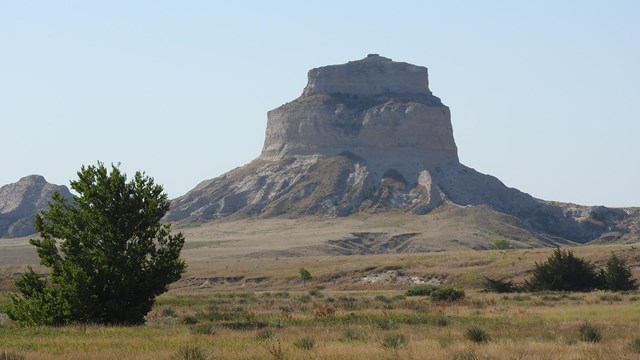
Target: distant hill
20,201
367,137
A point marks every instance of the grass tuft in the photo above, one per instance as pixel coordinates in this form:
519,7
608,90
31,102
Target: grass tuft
394,341
590,333
190,353
10,355
265,334
477,335
305,343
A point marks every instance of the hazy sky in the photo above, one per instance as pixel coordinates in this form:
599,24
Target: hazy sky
544,95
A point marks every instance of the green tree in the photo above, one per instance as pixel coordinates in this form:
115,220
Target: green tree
617,276
564,272
108,253
305,275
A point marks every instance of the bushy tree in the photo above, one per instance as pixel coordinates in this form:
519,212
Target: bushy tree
617,276
108,253
305,275
564,272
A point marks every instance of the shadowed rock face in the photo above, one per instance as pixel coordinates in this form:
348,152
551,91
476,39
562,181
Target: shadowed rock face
375,108
20,201
370,136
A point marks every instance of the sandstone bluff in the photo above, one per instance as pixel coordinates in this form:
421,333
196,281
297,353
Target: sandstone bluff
370,136
20,201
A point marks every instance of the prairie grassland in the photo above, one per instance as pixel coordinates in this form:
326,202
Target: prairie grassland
351,311
324,324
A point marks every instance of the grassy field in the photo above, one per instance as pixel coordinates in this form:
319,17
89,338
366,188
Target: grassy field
355,308
321,324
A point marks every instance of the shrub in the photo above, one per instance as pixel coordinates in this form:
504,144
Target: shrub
590,333
9,355
447,294
500,244
617,276
634,345
500,286
564,272
421,290
394,341
477,334
190,353
189,320
305,343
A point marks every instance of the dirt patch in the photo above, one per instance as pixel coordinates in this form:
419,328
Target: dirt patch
367,243
213,282
398,277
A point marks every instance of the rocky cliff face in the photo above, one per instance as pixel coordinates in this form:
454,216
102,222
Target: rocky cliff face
20,201
369,136
380,110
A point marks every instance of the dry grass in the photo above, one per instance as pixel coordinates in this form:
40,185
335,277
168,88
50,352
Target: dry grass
534,328
359,303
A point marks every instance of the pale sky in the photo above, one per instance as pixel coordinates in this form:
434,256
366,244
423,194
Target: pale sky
544,95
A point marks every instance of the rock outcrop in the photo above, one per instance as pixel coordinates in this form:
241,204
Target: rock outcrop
370,136
375,108
20,201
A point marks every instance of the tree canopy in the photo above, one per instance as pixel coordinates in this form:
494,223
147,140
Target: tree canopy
108,252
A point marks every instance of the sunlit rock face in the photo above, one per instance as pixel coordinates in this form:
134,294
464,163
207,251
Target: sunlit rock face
20,201
377,109
369,136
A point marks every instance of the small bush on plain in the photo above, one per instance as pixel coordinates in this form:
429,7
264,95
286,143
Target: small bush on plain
634,345
477,334
617,276
500,244
500,286
265,334
563,271
447,294
10,355
421,290
394,341
590,333
305,343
